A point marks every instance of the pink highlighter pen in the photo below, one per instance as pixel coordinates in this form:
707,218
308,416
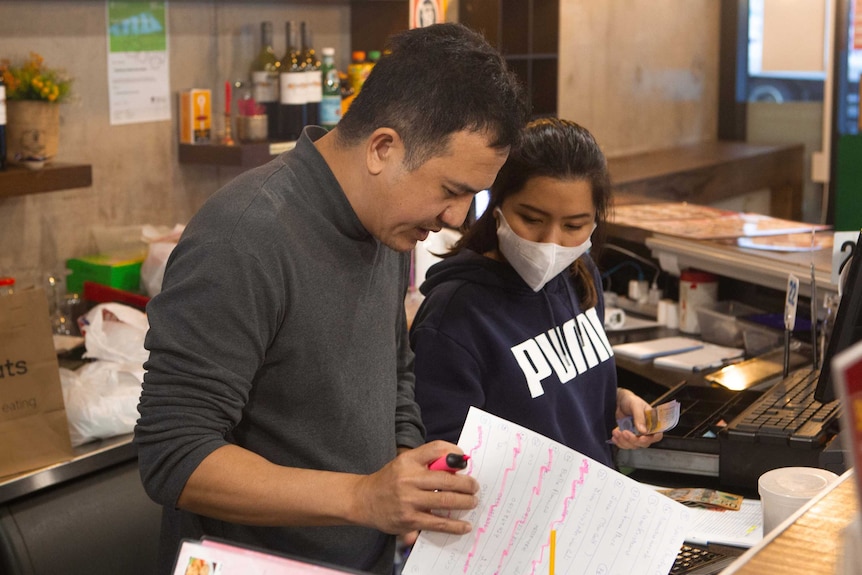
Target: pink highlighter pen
452,462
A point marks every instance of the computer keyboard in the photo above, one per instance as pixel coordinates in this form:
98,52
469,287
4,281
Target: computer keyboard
698,561
788,413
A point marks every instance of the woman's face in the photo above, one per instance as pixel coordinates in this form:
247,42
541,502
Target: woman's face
550,210
427,14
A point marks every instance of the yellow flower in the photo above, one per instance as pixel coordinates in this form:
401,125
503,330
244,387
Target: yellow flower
31,81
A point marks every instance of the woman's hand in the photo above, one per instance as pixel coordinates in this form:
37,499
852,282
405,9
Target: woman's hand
629,404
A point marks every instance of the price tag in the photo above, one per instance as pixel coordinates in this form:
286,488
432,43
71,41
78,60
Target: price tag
790,302
843,246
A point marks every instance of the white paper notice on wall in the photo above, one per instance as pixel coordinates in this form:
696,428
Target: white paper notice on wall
794,33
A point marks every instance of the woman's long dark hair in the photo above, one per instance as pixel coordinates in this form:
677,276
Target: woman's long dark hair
554,148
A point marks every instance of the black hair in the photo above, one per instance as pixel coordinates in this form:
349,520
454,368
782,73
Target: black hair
432,82
554,148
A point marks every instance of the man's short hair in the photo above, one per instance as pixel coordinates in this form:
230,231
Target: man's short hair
432,82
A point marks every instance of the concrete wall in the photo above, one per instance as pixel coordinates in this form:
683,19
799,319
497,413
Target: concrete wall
136,176
642,74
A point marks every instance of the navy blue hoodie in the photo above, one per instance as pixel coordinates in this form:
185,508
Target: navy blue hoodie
483,337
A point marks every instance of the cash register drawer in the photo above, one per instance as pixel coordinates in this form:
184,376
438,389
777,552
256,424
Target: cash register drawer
692,447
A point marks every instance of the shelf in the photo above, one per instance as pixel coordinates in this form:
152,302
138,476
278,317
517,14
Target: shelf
248,155
19,181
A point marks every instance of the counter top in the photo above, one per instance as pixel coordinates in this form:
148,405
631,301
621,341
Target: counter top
90,457
809,542
762,267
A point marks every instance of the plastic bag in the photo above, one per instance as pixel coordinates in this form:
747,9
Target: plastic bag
115,332
101,400
161,243
102,396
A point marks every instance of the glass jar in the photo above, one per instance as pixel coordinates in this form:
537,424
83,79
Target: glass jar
7,285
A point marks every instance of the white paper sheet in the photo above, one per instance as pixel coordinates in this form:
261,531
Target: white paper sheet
741,528
530,485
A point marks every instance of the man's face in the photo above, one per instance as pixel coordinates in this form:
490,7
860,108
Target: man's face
410,204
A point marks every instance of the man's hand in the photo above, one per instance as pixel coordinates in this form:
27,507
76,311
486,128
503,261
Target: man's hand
401,496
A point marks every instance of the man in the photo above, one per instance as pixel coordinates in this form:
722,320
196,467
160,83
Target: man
277,409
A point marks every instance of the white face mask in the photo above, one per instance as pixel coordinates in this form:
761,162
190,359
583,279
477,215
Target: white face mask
537,263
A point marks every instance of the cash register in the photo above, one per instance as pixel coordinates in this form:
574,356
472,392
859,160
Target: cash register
791,420
795,420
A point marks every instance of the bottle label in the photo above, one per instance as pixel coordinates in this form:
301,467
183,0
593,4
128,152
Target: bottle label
293,89
265,86
330,111
356,73
314,85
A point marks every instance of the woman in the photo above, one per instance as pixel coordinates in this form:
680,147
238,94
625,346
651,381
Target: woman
512,319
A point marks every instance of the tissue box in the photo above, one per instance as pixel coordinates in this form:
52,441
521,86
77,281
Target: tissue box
114,271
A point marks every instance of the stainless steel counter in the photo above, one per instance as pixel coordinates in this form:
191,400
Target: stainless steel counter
89,458
766,268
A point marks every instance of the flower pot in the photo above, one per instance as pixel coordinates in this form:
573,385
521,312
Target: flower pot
32,129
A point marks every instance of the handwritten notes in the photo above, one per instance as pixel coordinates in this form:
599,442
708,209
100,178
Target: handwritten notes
603,521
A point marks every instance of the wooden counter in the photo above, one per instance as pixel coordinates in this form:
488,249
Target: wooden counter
810,545
707,172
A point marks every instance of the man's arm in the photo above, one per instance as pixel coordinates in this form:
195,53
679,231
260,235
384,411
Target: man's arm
236,485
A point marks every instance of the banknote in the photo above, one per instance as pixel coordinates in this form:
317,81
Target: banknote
701,497
662,417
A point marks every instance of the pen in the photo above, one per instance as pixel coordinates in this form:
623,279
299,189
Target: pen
452,462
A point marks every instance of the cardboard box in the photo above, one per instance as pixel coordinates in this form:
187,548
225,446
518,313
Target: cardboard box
114,271
195,116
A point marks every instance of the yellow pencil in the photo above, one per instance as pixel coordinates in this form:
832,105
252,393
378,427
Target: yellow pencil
553,551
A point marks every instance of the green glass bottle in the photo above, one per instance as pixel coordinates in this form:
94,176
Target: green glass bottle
264,78
330,103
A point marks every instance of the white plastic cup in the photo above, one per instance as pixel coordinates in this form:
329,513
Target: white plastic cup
696,289
668,313
638,290
786,489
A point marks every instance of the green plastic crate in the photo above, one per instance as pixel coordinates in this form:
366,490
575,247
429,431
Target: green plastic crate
117,272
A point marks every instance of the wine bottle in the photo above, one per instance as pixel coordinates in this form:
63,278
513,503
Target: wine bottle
314,81
2,124
330,102
264,78
291,109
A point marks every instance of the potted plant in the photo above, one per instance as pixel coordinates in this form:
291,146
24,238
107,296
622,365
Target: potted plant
33,94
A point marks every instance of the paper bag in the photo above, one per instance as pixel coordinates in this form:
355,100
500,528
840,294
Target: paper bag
33,428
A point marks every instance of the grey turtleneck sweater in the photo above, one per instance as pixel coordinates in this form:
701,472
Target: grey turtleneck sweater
280,328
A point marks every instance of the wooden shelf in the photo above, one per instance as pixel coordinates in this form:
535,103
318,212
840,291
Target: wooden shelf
241,155
708,172
372,22
19,181
526,33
